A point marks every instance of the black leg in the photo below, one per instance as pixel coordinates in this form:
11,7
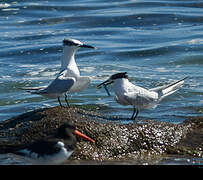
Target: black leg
66,100
137,112
59,102
134,110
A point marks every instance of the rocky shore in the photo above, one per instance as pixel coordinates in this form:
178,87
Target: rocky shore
145,142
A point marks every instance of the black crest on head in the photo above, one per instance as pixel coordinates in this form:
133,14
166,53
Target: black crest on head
69,42
119,75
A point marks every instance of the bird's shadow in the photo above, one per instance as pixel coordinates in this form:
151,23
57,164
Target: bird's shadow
110,118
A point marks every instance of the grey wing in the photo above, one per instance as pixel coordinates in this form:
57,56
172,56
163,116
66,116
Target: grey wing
59,85
140,99
81,83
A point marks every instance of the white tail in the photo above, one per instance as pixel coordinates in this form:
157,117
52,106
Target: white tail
168,89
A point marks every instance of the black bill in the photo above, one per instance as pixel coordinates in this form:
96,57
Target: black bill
107,91
105,84
88,46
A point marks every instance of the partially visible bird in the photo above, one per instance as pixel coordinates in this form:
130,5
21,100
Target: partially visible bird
69,79
52,150
127,93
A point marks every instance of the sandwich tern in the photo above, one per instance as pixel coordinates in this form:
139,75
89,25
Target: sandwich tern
69,79
127,93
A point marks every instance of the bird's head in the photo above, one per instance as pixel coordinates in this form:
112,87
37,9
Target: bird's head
68,129
73,43
113,78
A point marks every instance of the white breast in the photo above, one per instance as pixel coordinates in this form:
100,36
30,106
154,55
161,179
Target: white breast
120,88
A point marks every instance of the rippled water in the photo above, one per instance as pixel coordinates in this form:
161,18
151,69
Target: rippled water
154,41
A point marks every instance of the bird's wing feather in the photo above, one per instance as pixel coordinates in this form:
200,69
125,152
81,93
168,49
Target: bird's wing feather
61,84
166,90
58,86
138,98
41,147
81,83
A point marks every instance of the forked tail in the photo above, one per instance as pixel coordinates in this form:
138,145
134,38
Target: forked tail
168,89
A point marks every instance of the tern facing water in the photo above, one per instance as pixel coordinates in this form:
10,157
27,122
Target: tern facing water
141,98
69,79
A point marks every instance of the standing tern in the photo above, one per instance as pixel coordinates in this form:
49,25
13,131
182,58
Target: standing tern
141,98
69,79
50,150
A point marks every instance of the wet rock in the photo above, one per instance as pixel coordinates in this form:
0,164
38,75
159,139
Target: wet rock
145,142
192,143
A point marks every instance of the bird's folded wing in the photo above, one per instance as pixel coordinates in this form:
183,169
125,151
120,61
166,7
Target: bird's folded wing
81,83
139,97
60,85
41,147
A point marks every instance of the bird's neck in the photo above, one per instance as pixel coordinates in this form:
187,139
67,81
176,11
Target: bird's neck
68,60
120,84
121,81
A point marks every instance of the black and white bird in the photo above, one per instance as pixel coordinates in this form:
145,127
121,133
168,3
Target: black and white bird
52,150
69,79
127,93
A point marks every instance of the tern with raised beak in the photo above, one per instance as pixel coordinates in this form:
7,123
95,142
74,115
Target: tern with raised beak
69,79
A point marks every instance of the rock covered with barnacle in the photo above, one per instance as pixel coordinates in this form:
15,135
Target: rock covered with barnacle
114,141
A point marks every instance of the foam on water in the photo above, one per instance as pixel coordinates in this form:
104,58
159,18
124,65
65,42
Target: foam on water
130,36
